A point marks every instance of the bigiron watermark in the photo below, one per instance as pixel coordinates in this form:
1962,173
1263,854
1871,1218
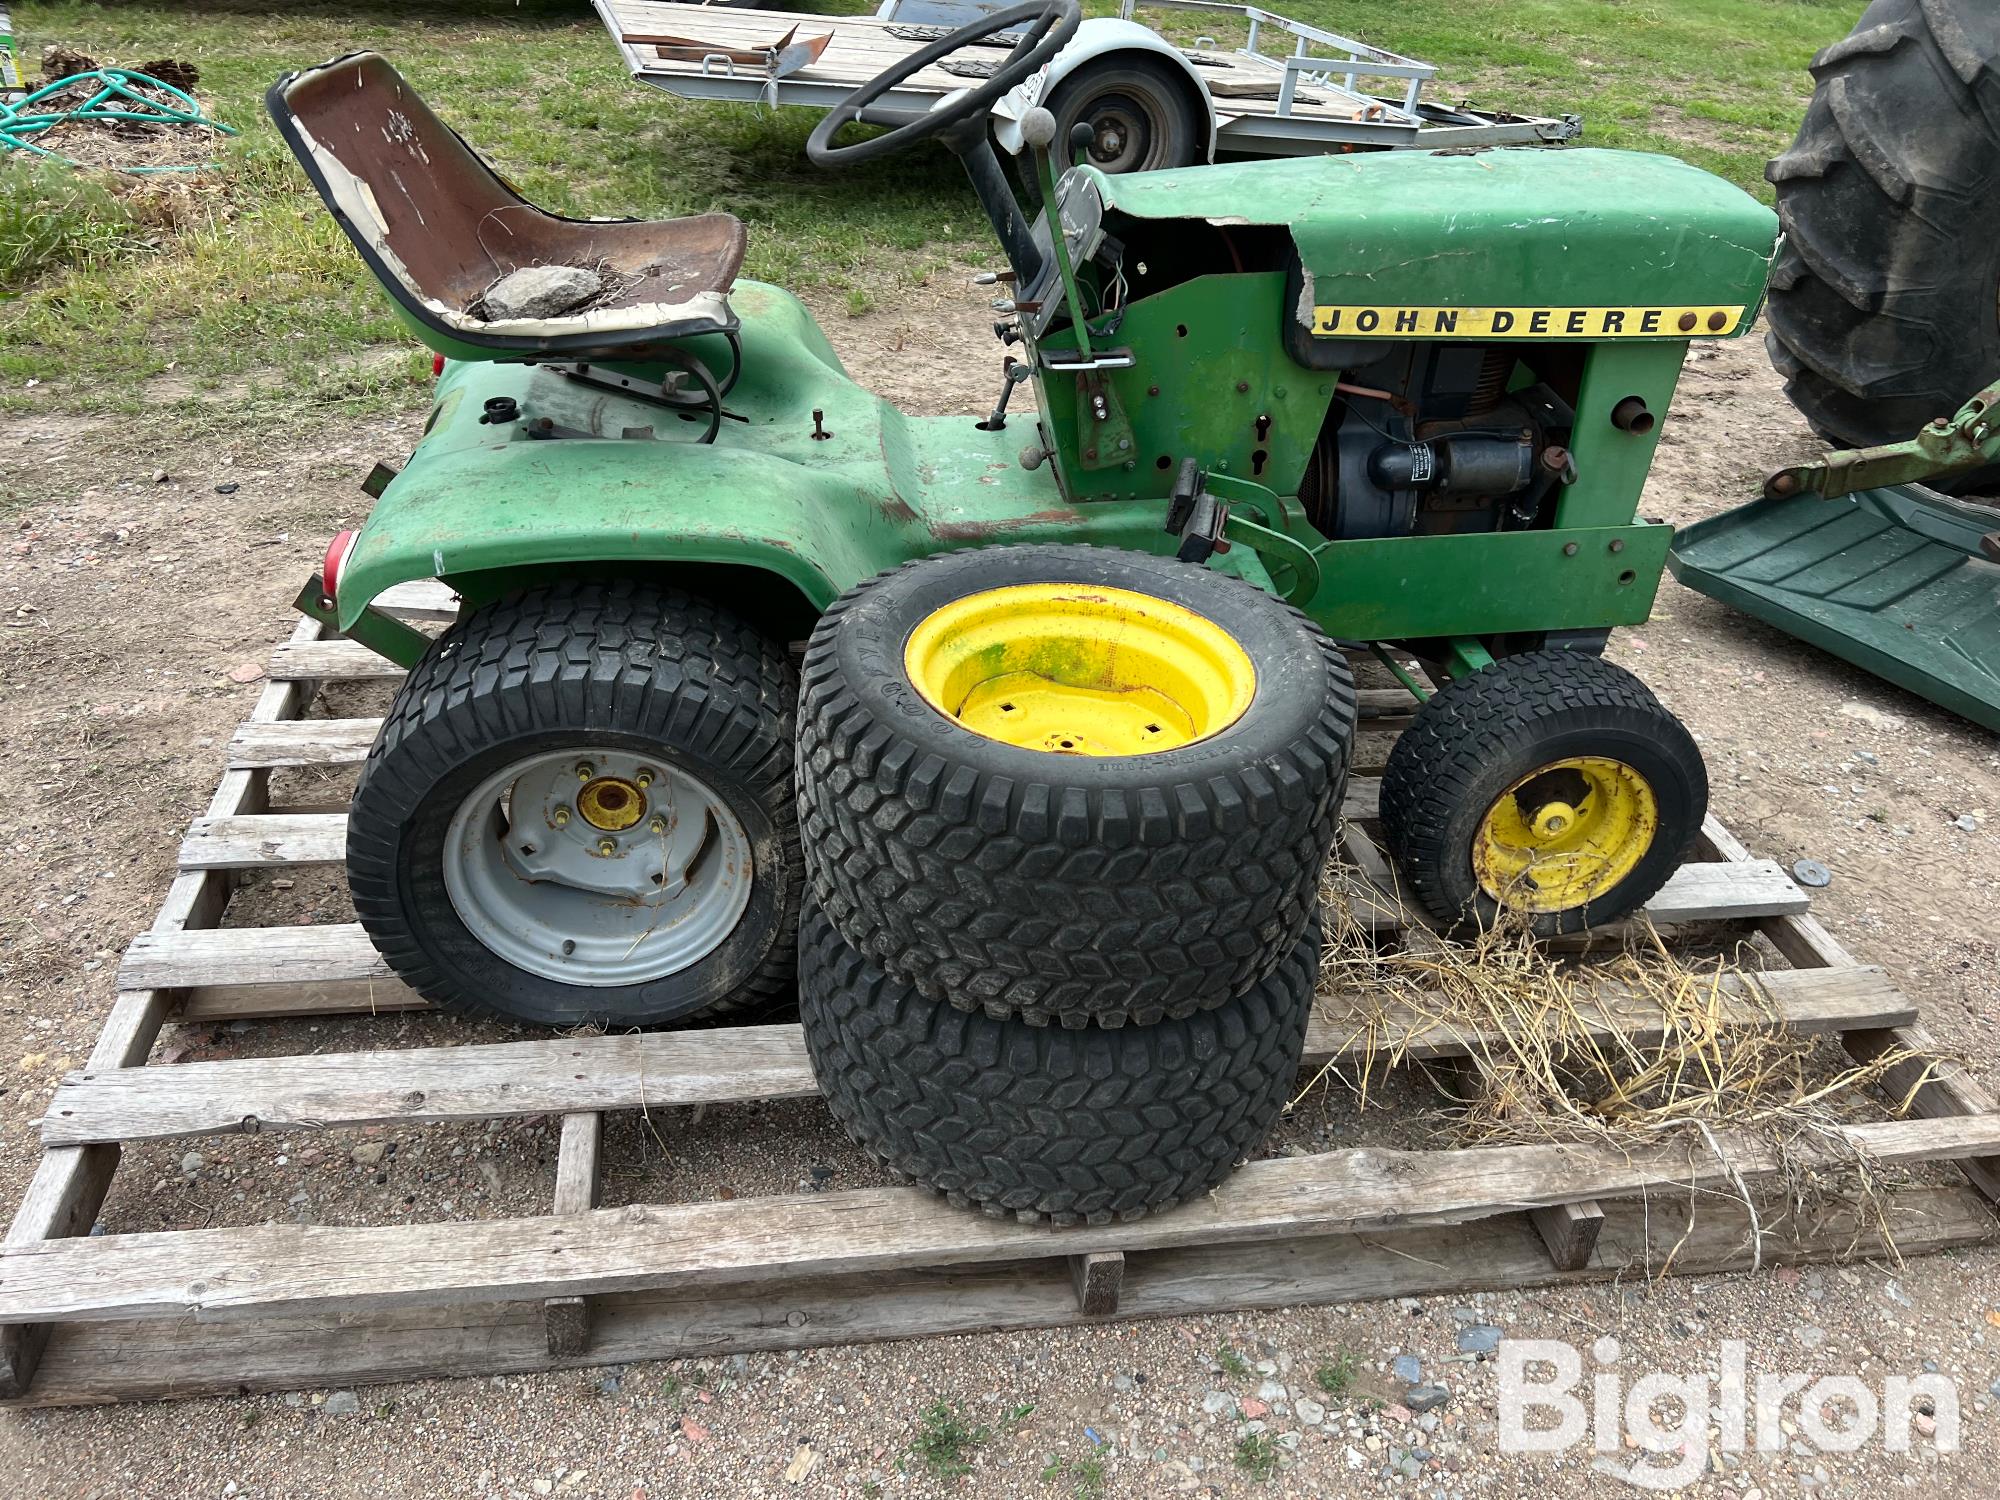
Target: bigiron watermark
1549,1403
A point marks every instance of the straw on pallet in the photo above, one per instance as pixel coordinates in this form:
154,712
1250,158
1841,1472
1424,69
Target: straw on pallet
1541,1063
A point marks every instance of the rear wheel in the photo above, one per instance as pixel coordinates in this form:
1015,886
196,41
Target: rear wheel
1551,787
1884,306
1140,116
579,811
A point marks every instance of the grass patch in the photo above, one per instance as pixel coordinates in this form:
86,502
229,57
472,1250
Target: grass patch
945,1443
1233,1364
1085,1475
1336,1375
253,303
1257,1455
52,218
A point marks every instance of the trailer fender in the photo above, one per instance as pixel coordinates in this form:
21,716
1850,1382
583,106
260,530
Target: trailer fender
1097,38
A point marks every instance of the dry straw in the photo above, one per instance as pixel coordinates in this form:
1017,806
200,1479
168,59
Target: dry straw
1628,1051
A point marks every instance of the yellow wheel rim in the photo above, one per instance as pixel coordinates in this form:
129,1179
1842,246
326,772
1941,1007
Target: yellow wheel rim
1077,670
1566,834
611,803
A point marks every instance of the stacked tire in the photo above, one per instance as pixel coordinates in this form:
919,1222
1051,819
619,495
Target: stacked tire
1064,813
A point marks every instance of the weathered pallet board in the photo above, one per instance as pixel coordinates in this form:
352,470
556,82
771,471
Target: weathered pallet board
340,953
727,1065
70,1184
1930,1082
311,1268
1736,891
172,1358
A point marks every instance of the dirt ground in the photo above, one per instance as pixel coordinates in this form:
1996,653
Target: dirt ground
146,578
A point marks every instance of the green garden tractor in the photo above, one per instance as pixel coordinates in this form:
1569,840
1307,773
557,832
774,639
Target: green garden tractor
1413,395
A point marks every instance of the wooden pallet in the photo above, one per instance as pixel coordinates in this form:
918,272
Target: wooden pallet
206,1311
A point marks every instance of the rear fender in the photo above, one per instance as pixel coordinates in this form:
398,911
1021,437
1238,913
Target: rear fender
490,520
1097,38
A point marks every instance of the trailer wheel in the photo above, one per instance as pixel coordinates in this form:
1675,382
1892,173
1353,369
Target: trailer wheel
1885,297
579,811
1551,786
1070,783
1042,1123
1141,114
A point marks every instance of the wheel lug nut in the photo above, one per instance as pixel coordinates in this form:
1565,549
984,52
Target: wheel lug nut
642,777
560,817
658,825
607,846
585,770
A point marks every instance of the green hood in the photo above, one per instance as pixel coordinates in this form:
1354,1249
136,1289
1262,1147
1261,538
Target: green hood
1517,229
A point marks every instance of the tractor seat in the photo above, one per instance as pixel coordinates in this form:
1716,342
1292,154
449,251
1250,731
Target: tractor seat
439,227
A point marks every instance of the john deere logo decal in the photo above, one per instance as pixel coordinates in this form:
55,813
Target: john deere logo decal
1524,322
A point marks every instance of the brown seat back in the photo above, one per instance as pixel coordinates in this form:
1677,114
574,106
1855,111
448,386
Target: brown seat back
438,226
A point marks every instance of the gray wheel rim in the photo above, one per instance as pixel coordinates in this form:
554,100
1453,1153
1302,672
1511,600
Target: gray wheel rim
1122,139
597,867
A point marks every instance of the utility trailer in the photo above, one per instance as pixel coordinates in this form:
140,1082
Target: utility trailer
1151,102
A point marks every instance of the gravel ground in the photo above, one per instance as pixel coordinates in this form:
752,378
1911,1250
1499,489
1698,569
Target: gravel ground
118,714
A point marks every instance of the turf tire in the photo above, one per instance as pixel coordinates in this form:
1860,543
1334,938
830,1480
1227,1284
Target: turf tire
620,664
1477,736
1042,1123
1884,307
1067,888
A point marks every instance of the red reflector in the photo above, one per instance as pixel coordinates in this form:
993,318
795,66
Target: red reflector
335,560
437,365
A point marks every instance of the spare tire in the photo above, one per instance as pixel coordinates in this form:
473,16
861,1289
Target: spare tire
1040,1122
1069,783
1884,305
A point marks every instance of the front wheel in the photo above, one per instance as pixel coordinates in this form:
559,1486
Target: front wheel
579,811
1551,787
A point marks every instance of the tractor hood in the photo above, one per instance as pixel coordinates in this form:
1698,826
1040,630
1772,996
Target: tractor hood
1523,243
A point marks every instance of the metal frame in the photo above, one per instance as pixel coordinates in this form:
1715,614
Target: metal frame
1258,127
1363,60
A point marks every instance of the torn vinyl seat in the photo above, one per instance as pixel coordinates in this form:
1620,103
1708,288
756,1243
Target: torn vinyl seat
438,227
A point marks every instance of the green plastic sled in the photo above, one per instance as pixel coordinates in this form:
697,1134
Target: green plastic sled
1894,580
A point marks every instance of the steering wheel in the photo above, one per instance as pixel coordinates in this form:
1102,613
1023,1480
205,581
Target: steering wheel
1054,23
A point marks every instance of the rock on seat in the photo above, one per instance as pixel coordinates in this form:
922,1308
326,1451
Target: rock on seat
440,228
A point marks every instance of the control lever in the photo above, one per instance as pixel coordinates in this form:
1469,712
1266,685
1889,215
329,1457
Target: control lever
1015,372
1080,138
1038,131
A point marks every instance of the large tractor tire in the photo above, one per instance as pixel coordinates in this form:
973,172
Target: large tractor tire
1551,788
1070,784
1885,297
579,811
1041,1122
